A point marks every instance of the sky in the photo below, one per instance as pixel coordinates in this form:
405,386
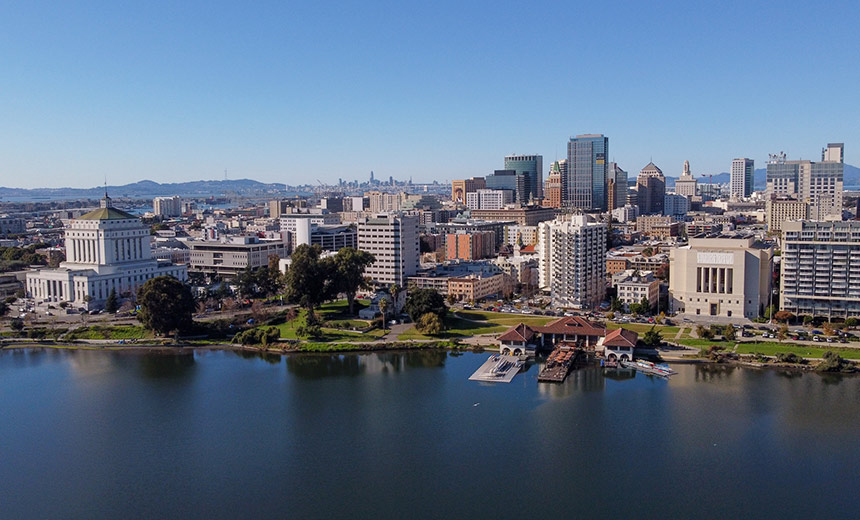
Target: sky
294,92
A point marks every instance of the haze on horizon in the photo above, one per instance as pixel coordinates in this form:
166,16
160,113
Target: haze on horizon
295,93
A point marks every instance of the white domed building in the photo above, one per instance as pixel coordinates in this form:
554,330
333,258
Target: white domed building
106,249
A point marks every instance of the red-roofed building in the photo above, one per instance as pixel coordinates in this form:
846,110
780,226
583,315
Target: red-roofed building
517,340
572,329
618,344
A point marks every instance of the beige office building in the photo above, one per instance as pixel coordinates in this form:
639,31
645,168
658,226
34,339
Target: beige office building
781,210
727,277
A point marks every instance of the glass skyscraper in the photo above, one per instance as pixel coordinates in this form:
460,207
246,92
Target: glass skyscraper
529,170
587,170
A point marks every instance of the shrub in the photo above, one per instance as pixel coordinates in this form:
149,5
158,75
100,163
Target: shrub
259,336
790,357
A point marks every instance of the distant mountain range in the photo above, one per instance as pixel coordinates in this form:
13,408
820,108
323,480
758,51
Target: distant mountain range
147,189
850,177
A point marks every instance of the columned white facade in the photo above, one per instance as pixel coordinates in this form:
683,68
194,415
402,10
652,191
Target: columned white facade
106,250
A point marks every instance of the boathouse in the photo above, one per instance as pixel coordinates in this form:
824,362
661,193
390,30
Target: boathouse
618,344
518,340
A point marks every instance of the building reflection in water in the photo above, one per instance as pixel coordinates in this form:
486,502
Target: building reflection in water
316,366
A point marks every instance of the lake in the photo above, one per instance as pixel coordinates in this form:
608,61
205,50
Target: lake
216,434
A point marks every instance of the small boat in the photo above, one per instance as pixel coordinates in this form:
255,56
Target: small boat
646,367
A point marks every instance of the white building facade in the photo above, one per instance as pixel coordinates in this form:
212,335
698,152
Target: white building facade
106,250
726,277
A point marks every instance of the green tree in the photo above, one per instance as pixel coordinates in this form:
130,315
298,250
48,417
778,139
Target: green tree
166,305
429,324
4,308
729,333
645,306
349,264
782,332
307,278
421,301
652,338
616,305
851,322
111,304
17,324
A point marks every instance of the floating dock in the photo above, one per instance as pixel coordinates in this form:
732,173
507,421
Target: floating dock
558,364
498,369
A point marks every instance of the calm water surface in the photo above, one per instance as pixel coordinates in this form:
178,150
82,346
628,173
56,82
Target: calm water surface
394,435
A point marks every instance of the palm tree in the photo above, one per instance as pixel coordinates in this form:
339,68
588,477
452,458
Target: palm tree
383,306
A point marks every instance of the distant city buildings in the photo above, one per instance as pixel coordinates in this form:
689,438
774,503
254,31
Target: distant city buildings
742,178
470,246
529,172
618,177
686,183
779,210
167,207
460,188
587,164
488,199
651,190
554,187
820,184
676,205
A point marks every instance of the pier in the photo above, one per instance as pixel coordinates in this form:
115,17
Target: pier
559,364
497,369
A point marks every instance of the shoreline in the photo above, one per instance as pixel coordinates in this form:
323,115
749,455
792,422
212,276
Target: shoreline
402,346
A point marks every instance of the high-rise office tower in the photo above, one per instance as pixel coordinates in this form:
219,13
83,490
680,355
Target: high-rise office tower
393,241
686,184
614,172
587,171
742,174
834,152
529,170
817,183
651,188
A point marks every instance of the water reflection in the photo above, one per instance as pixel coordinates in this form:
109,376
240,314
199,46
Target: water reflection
268,357
166,365
316,366
714,372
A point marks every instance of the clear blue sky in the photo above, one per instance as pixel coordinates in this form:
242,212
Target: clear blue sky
297,91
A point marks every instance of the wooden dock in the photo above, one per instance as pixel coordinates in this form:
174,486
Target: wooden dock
559,364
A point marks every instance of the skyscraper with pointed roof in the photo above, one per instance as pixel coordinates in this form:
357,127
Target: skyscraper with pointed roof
651,187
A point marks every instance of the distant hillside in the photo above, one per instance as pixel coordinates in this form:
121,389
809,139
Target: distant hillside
146,189
851,177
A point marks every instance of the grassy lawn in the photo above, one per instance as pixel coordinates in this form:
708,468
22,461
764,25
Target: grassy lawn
473,323
328,313
667,331
699,343
109,332
770,348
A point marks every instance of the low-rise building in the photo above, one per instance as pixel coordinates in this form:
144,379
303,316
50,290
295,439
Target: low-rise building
632,286
229,258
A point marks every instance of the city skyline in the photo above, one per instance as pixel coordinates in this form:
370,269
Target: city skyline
290,93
